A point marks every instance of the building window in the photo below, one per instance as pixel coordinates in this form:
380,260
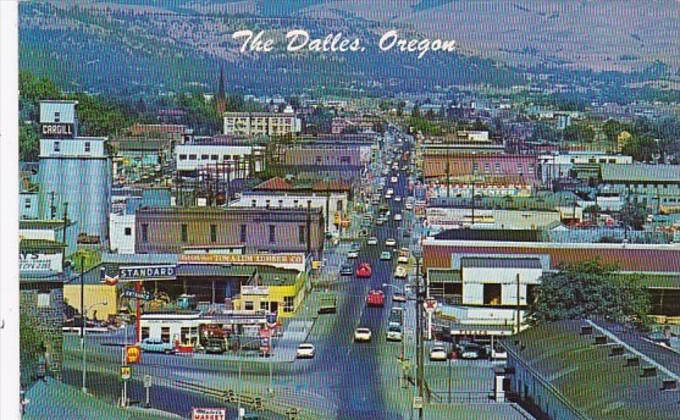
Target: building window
498,168
319,159
182,157
243,233
492,294
213,233
288,303
165,334
57,146
185,233
267,203
192,157
57,116
44,300
27,203
302,234
204,157
145,333
87,147
339,206
344,159
487,167
184,334
128,231
475,167
264,305
213,157
248,305
145,233
280,203
531,293
253,203
272,234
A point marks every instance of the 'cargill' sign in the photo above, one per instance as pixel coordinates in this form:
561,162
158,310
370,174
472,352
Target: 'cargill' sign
57,130
150,272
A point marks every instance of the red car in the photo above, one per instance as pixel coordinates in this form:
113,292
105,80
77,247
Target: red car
364,270
376,298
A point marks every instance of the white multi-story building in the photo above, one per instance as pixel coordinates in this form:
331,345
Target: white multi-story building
262,123
122,231
238,159
334,205
558,166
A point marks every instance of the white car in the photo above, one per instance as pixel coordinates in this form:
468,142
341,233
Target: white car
394,333
362,335
353,254
400,272
393,180
408,206
390,191
403,259
397,199
372,240
438,353
305,351
390,242
397,217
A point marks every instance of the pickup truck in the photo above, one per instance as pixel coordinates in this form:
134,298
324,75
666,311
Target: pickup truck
327,303
150,345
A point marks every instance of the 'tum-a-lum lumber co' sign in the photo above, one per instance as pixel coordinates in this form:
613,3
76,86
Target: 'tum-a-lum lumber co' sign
149,272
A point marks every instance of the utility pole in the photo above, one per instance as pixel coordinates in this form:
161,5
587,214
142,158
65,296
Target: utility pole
82,316
419,341
308,227
63,233
518,311
448,175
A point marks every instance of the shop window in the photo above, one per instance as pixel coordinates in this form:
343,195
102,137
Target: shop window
264,305
185,233
288,303
165,334
184,334
492,294
272,234
244,232
248,305
44,300
145,333
302,237
145,233
339,205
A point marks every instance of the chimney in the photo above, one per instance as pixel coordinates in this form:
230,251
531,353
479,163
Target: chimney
648,371
669,384
616,351
632,361
586,330
600,339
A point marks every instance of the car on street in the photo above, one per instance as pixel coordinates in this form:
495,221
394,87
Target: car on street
400,272
498,352
397,199
394,332
353,254
375,298
408,206
438,353
356,246
390,242
393,180
380,221
398,296
362,335
151,345
364,270
470,351
390,191
346,270
386,255
372,240
397,217
305,351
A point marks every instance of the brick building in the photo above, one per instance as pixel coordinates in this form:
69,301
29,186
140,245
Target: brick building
169,230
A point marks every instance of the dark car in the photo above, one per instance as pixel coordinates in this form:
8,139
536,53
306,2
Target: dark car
215,346
346,270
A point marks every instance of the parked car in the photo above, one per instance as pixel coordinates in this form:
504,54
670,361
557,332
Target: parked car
356,246
372,240
386,255
438,353
397,199
216,346
498,352
305,351
364,270
470,351
390,242
397,217
398,296
353,254
375,298
151,345
362,335
346,270
400,272
408,206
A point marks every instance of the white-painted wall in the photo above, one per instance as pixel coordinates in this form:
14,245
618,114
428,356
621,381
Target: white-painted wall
122,241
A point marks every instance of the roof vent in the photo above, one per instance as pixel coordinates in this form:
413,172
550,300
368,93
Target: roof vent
600,339
669,384
586,330
632,361
616,351
648,371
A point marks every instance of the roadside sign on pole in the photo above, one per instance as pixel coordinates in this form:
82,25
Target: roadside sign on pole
133,354
430,305
417,402
125,372
147,381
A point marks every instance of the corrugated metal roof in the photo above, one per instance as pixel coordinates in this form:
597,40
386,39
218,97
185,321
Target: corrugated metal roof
66,111
444,276
210,270
478,262
640,173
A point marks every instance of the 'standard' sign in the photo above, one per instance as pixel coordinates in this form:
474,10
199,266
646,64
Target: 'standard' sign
150,272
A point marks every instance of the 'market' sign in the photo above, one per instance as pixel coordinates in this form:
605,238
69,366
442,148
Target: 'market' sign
149,272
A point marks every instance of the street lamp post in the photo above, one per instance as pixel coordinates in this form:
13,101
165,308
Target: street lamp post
82,344
240,371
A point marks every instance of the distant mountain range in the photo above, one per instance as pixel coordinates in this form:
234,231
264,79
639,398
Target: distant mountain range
156,46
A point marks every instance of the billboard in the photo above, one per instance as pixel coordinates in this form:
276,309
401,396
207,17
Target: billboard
150,272
208,414
293,260
35,262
